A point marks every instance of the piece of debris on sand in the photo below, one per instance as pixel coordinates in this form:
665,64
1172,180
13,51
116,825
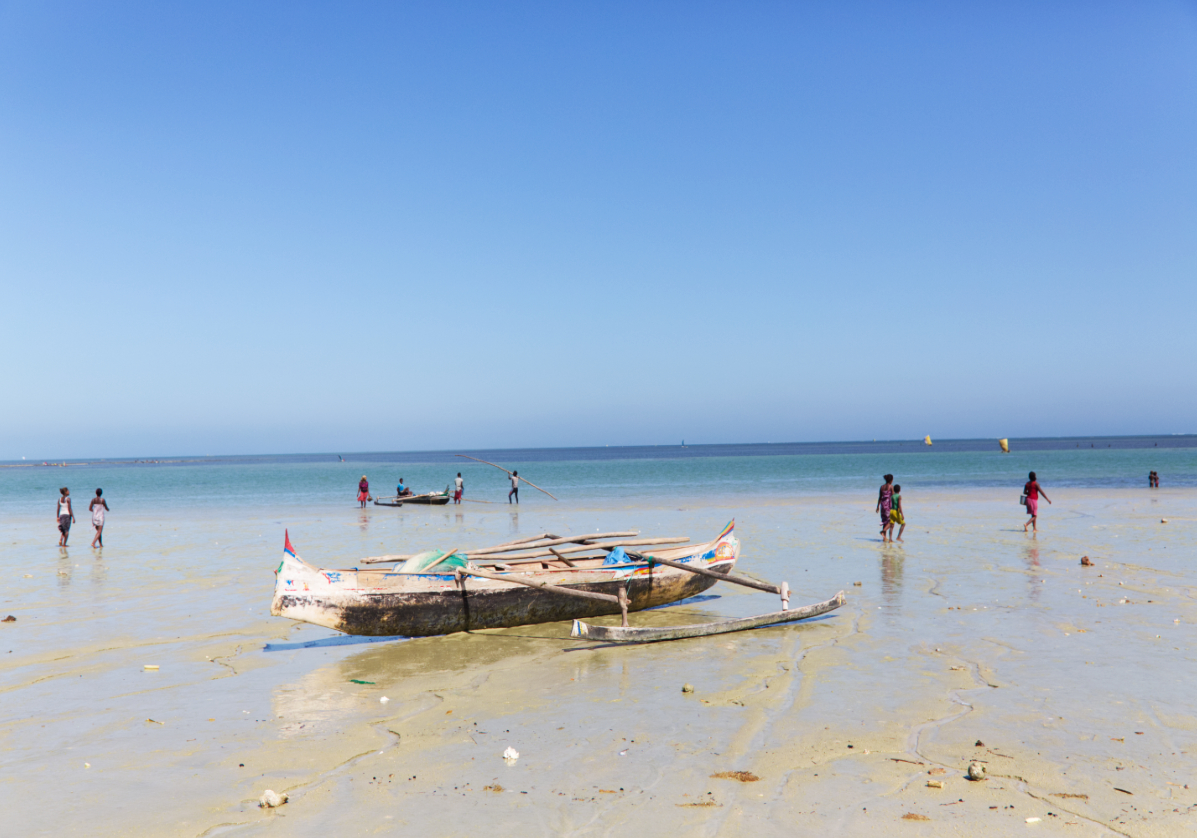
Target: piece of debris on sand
742,776
911,816
271,799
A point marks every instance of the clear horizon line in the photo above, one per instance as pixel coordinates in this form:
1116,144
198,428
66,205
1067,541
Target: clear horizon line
194,457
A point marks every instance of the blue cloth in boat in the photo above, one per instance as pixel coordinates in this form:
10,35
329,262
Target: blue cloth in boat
617,556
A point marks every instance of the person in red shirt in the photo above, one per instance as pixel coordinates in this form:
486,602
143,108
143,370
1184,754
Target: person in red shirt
1033,490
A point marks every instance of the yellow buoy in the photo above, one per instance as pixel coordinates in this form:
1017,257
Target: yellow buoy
1005,443
927,440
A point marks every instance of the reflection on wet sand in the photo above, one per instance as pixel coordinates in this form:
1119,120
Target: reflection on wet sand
402,669
1034,582
64,568
892,561
99,573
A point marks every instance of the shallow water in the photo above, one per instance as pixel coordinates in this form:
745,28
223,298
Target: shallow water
970,631
602,474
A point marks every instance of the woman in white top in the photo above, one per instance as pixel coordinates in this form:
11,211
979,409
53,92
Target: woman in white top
98,507
65,515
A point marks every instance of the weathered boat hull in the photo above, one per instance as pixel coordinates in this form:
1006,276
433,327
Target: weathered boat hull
383,603
429,613
429,500
425,500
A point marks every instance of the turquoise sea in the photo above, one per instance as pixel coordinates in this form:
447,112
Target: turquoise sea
596,474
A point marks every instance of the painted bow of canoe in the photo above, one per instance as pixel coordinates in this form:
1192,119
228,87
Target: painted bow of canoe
633,634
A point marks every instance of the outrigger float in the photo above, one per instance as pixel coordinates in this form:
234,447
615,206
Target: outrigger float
540,579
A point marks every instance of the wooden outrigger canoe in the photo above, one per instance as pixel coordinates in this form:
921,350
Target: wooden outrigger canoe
520,588
428,498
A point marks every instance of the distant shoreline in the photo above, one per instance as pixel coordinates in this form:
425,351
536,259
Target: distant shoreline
121,462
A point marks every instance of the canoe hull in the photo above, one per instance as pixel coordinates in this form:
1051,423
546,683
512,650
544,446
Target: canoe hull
428,613
425,500
383,603
434,500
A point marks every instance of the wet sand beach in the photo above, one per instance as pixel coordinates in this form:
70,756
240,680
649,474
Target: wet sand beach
972,642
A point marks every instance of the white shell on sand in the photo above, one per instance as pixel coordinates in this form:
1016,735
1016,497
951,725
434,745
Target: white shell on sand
383,700
271,799
976,771
511,755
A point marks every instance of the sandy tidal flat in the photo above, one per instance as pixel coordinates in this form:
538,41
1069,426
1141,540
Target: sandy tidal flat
1071,685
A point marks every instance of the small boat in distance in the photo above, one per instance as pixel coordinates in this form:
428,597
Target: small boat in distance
927,440
428,498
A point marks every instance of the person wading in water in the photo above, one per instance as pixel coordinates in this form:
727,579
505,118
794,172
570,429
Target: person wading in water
98,507
885,500
896,514
65,515
1033,490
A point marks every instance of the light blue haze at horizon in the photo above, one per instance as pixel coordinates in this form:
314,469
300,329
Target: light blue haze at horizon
286,227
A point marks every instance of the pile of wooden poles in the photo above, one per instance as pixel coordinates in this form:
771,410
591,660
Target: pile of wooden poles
540,547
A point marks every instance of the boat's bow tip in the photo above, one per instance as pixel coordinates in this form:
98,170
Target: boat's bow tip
579,629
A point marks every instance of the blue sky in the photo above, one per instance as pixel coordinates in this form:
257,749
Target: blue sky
285,227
